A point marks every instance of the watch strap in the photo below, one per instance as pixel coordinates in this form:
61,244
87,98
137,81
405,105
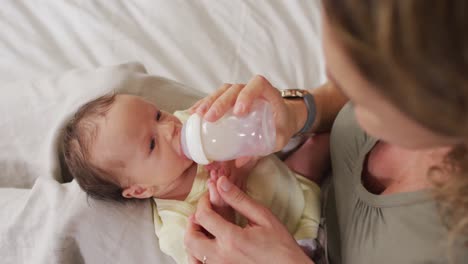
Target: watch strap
311,114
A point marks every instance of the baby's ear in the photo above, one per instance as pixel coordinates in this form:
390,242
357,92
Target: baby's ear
138,191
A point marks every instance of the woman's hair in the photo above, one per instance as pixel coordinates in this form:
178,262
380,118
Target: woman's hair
78,136
415,52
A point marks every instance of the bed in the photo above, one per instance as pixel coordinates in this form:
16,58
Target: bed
55,55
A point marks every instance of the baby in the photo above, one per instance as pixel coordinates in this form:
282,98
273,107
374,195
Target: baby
120,147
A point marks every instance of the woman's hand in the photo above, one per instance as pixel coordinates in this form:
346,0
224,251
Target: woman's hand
241,97
237,175
263,240
218,204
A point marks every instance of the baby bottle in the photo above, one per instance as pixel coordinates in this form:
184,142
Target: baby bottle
230,137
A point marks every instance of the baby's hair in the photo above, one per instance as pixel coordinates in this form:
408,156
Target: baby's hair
78,135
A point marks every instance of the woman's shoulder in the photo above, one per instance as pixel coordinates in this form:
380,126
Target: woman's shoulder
347,137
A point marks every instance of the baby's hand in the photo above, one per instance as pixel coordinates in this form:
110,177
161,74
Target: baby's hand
219,205
231,169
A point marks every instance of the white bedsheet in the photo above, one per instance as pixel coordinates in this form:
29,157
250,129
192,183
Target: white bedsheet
66,227
202,43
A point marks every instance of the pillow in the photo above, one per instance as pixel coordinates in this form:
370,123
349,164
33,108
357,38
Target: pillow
32,113
56,223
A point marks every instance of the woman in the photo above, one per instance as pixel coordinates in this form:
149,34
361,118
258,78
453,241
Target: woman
399,189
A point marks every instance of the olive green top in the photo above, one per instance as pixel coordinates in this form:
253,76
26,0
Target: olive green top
364,228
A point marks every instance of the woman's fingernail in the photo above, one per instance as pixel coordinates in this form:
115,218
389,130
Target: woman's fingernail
225,184
239,108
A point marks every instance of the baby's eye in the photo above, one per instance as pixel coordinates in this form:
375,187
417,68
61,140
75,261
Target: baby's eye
152,144
158,115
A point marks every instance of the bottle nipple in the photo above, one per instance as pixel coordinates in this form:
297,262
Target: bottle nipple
191,140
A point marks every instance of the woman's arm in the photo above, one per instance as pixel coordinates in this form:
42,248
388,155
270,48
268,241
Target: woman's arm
312,158
328,100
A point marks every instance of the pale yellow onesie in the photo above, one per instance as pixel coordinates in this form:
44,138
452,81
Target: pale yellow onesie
294,200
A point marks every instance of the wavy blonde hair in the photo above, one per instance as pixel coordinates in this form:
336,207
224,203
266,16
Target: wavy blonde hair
416,52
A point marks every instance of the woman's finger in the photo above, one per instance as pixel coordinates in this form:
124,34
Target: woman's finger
215,224
257,87
196,242
202,108
193,260
194,107
223,103
242,203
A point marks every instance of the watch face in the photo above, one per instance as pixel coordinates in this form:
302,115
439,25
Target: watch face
292,93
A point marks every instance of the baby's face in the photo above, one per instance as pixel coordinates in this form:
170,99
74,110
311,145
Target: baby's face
140,145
